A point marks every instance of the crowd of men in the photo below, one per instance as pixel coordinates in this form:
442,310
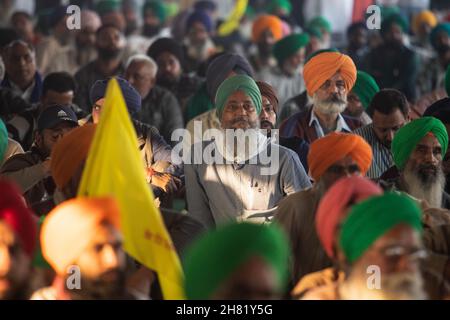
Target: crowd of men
356,125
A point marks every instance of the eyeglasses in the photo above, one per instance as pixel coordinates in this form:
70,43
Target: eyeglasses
395,253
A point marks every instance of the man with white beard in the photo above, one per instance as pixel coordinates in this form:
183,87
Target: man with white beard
240,174
418,149
329,76
380,249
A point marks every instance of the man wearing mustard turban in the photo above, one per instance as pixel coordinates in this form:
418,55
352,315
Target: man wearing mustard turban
237,262
285,77
380,231
431,80
266,30
330,158
329,77
227,178
422,24
392,64
98,255
418,149
389,111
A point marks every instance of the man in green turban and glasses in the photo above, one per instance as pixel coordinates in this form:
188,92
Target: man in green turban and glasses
380,249
237,262
286,78
418,149
239,174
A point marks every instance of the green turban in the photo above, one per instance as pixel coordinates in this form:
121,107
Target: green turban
236,83
215,256
408,136
394,18
321,23
372,218
440,28
3,140
314,32
365,88
105,6
282,4
158,8
289,45
447,81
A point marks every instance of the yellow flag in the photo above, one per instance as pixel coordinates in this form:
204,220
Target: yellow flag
114,167
234,19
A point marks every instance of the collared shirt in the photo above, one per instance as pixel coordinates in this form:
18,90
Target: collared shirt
382,157
341,125
24,94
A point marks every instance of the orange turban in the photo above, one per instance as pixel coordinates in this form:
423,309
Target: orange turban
424,17
69,228
265,22
323,66
70,152
324,152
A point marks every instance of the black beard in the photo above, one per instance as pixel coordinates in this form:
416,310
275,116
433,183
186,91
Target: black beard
108,54
167,82
100,288
150,31
265,124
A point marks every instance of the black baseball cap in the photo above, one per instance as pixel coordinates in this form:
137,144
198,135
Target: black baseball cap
54,115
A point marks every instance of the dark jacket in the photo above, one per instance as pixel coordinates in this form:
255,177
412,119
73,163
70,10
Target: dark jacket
298,126
161,110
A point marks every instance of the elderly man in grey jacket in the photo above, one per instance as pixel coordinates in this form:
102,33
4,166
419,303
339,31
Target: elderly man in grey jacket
240,174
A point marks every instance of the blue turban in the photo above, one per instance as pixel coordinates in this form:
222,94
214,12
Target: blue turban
219,69
199,16
131,96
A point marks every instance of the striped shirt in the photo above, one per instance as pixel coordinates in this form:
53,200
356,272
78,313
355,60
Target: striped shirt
382,156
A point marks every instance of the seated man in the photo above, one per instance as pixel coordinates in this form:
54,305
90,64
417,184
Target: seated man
18,235
156,153
168,54
287,78
98,256
159,107
266,30
58,88
350,155
389,111
31,170
237,183
237,262
381,234
329,77
21,75
418,149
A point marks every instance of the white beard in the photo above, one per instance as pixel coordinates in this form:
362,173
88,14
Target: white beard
399,286
431,192
328,107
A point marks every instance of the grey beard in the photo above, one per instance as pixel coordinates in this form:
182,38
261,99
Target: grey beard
398,286
329,107
431,190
